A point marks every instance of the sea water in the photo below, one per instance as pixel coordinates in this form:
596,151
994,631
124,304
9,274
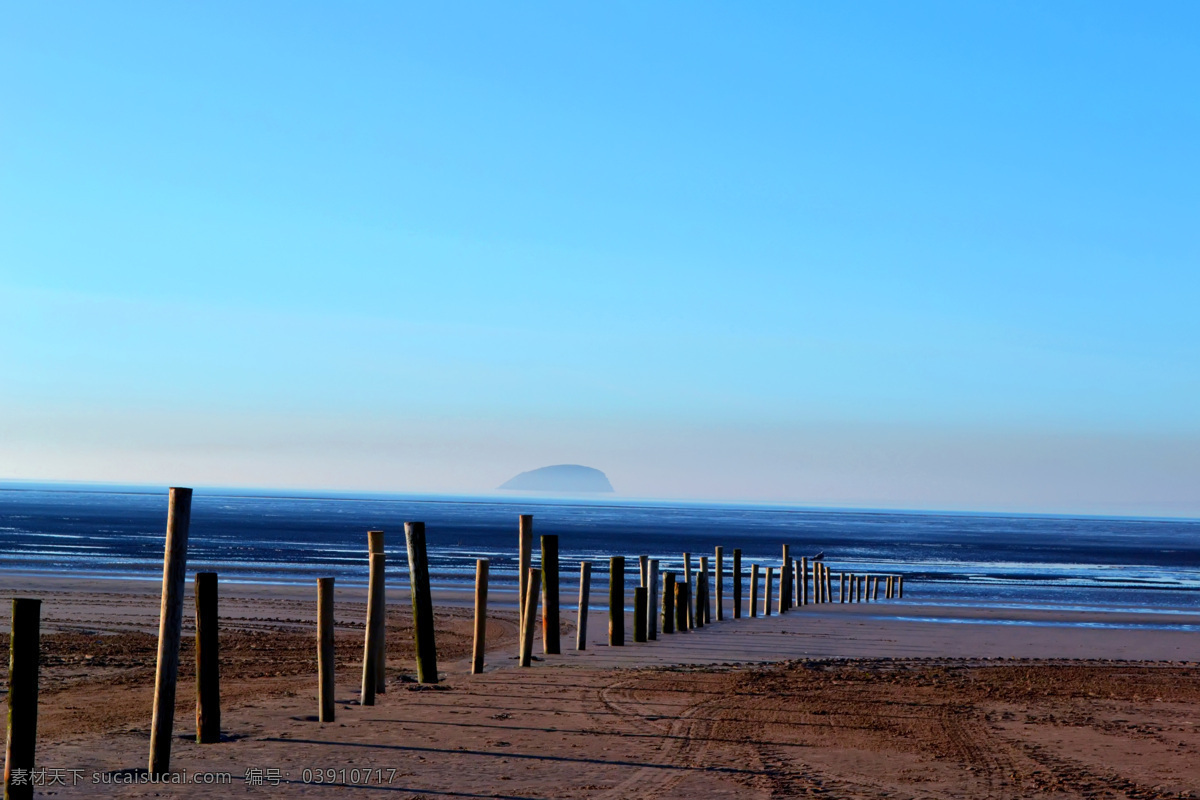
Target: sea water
1060,562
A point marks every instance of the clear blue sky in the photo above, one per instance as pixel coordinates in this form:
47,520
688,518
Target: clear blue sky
938,255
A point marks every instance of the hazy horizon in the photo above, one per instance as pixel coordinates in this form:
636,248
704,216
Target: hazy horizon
924,256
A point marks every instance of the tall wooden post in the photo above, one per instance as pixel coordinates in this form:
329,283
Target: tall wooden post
24,651
841,587
687,578
422,603
785,586
681,604
668,603
550,624
703,602
890,584
581,618
639,614
482,566
643,575
900,587
208,660
376,609
378,595
828,585
768,583
529,615
720,582
325,651
804,580
875,589
737,583
524,562
170,629
754,590
652,602
616,601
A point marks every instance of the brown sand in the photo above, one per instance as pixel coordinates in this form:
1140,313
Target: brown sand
861,703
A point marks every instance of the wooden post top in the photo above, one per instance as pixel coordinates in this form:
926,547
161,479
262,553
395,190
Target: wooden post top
375,541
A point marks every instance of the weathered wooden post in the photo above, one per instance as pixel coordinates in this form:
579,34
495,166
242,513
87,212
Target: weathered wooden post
376,609
325,651
841,587
643,575
703,602
804,580
785,586
828,585
208,660
900,587
862,587
754,590
616,601
875,590
422,602
551,644
533,583
737,583
652,602
681,603
479,647
889,594
720,582
170,628
639,614
668,603
687,578
696,598
585,591
24,651
768,583
524,562
377,553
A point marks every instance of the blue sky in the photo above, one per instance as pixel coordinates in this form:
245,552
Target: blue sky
934,255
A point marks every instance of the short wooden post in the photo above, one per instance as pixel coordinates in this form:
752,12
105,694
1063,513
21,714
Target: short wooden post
524,562
754,590
376,608
639,614
804,580
862,587
325,651
668,603
737,583
422,602
581,617
616,601
841,587
681,604
853,591
533,584
687,578
479,647
703,602
170,629
24,655
875,590
720,582
900,587
208,660
551,644
652,602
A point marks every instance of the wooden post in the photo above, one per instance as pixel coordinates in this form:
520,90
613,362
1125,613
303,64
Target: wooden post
737,583
681,603
482,566
643,576
828,585
325,651
668,603
208,660
785,586
687,578
862,588
524,562
853,591
696,598
170,625
890,585
875,591
754,590
376,608
900,587
652,602
529,615
768,583
703,602
585,591
550,625
804,580
422,603
616,601
720,583
375,544
841,587
639,614
24,655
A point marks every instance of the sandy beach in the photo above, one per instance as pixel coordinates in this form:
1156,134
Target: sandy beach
875,700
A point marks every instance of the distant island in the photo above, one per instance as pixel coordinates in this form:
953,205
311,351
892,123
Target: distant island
560,478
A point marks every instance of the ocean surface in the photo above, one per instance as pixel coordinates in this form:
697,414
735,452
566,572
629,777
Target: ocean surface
1148,565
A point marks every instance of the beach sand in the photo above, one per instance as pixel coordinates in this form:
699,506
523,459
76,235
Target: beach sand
851,701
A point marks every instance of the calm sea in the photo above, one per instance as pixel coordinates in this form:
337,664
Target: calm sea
1074,562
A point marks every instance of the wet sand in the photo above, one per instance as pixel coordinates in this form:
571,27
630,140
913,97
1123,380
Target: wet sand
837,701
